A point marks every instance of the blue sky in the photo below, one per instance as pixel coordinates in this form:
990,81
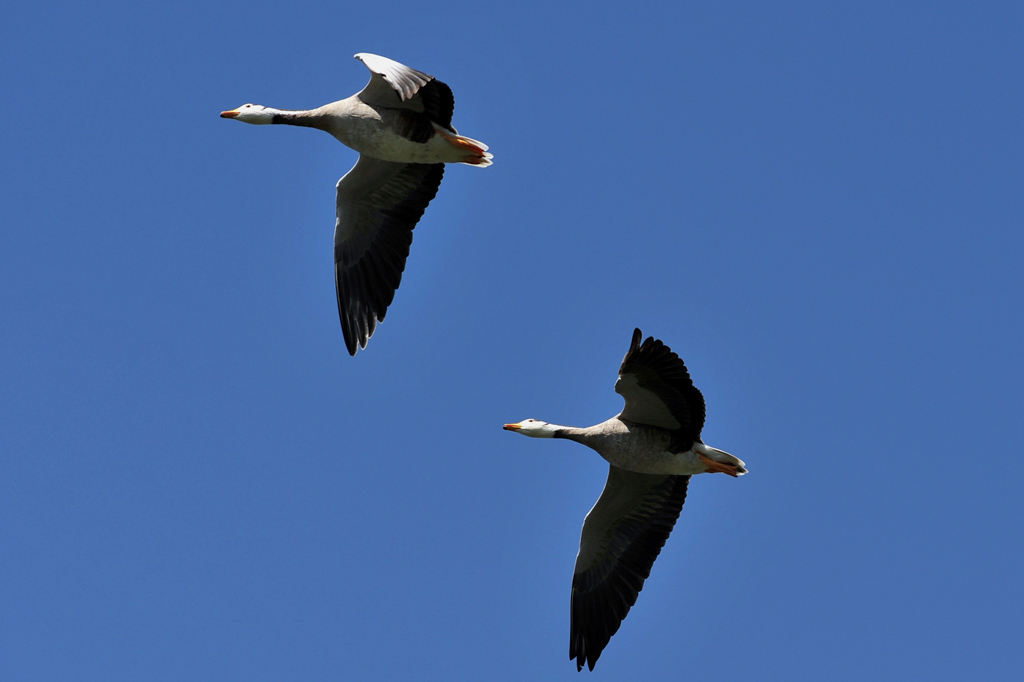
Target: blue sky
817,205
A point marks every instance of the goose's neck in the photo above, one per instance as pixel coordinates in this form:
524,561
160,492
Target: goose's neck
571,433
310,118
597,436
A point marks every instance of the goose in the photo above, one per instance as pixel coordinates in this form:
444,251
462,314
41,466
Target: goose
652,447
401,125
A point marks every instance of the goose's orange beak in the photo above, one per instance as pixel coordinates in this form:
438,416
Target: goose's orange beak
512,427
229,114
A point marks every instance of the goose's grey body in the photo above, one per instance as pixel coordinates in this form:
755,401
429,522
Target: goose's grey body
400,124
638,447
653,447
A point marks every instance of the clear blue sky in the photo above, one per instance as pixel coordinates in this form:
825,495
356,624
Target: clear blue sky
817,205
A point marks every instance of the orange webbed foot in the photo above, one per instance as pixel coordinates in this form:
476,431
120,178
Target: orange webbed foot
719,467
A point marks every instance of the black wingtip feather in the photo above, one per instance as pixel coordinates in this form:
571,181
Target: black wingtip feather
660,369
438,103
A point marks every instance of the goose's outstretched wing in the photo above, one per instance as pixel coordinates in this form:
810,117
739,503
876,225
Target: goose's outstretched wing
397,86
392,84
379,204
622,536
658,389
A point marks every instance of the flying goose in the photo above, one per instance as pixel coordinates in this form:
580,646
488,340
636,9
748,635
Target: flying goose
653,447
401,125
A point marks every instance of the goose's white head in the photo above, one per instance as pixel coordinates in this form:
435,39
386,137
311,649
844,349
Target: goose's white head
534,428
256,114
